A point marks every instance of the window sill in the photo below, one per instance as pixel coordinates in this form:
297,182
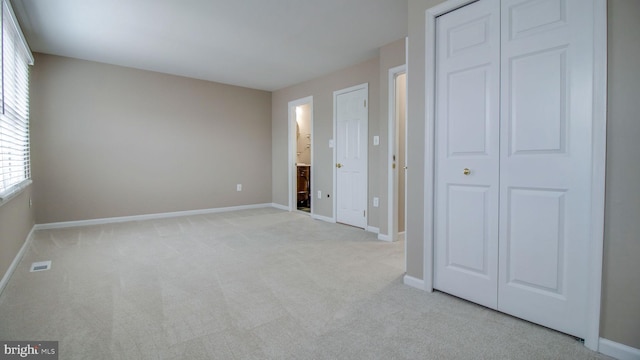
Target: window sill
15,191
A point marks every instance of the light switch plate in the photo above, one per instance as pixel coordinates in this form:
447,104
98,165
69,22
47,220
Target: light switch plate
376,140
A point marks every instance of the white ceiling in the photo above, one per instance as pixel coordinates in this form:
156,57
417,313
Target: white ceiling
261,44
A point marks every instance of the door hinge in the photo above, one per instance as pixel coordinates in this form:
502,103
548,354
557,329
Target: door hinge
364,213
365,103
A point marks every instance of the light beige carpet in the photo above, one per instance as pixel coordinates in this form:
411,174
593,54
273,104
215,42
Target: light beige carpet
255,284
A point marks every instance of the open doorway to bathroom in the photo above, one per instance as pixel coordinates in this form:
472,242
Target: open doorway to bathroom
397,152
301,155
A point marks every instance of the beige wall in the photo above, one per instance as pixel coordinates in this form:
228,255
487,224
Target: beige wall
415,136
620,316
621,276
16,220
110,141
322,172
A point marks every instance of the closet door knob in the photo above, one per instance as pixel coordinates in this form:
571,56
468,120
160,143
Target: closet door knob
338,165
466,171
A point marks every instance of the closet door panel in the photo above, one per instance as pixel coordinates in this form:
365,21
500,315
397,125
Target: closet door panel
468,126
467,137
545,171
536,243
538,126
467,224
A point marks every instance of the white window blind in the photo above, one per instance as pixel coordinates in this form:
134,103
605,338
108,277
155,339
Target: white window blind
14,111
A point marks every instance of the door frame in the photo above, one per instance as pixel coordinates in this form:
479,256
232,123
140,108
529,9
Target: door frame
599,128
364,86
293,146
393,148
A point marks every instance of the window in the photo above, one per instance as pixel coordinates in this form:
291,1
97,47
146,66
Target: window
15,171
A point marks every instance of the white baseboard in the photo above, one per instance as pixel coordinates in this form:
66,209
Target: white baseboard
16,260
376,230
68,224
617,350
413,282
372,229
280,206
384,237
323,218
402,236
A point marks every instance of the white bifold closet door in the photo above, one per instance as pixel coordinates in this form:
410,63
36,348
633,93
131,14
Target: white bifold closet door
467,137
513,157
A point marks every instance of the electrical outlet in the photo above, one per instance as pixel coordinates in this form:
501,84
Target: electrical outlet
376,202
319,194
239,187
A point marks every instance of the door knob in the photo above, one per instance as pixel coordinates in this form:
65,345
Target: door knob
338,165
466,171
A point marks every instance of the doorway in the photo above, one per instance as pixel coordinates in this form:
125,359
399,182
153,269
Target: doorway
397,152
301,155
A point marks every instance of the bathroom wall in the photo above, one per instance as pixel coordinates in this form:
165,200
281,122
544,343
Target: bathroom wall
303,134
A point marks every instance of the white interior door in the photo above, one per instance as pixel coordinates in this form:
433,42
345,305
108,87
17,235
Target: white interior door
512,228
467,152
545,162
351,156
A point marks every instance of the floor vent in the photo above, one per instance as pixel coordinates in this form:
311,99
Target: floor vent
41,266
